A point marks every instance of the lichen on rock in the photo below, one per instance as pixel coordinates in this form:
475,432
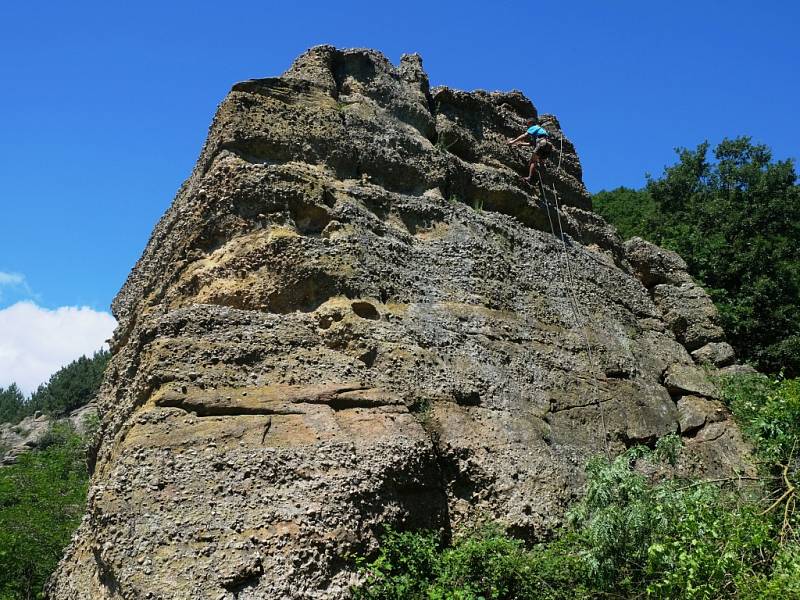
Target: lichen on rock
354,315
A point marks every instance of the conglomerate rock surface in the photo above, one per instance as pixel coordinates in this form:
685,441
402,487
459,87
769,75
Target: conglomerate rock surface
354,315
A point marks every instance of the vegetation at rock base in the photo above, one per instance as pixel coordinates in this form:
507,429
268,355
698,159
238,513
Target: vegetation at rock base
42,495
631,536
69,388
42,499
736,222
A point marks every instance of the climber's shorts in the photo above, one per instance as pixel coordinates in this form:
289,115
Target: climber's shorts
543,148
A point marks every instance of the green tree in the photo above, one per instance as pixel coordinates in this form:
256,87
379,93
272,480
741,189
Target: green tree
12,404
736,222
42,498
633,212
71,386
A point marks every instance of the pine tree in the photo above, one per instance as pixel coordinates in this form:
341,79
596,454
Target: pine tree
72,386
12,404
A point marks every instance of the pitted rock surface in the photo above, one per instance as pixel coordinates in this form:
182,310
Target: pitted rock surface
355,314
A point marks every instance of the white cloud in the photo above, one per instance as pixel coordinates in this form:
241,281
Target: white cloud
35,342
14,282
11,278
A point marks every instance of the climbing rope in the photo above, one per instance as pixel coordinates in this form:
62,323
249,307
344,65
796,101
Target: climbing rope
569,284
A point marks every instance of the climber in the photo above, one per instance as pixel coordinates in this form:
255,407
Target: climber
535,136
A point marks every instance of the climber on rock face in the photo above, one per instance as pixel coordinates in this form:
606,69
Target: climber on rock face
535,136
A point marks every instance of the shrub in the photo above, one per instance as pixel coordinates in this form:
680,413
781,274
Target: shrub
768,411
629,537
482,563
42,500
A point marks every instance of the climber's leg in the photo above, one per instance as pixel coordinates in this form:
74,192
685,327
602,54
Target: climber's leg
532,169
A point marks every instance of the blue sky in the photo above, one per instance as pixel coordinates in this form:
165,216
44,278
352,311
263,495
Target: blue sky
104,105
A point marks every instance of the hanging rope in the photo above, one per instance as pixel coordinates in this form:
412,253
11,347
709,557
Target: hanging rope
569,284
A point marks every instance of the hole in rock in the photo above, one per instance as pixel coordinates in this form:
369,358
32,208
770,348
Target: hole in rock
365,310
310,218
467,397
368,357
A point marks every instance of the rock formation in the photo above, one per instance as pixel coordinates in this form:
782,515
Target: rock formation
31,431
355,314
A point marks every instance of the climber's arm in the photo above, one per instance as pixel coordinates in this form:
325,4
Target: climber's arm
519,139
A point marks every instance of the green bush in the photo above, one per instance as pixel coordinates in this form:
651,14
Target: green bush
629,537
768,411
673,539
42,499
481,564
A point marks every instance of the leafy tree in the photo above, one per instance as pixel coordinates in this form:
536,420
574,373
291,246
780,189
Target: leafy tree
736,222
42,498
12,404
72,386
633,212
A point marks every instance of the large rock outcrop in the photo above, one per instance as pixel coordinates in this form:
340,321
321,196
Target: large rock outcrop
355,314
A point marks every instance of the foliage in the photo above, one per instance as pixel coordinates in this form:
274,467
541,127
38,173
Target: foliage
69,388
12,404
673,539
482,564
768,411
633,212
42,498
72,386
736,222
629,537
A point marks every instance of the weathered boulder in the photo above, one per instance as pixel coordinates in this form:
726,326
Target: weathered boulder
22,436
682,379
738,370
353,315
654,265
690,313
718,354
695,411
685,306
